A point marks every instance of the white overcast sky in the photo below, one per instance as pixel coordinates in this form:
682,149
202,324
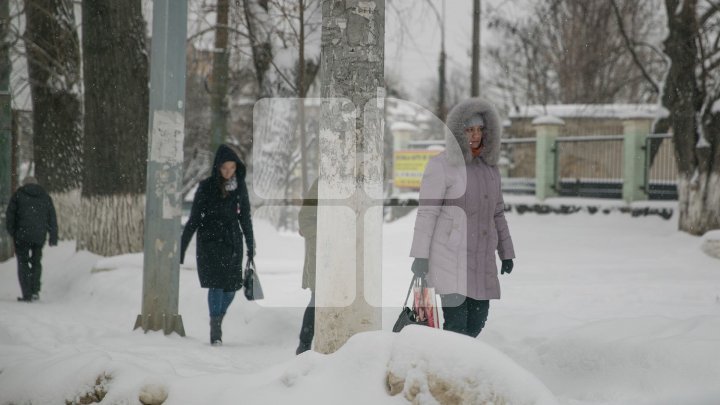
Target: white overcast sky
412,43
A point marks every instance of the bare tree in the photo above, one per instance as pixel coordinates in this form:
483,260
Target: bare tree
272,50
691,93
116,123
572,51
53,54
278,33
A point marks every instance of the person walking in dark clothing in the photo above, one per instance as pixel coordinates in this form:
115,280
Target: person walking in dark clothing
30,218
221,216
461,221
307,224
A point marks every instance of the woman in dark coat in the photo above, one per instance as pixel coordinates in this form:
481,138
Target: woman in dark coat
220,209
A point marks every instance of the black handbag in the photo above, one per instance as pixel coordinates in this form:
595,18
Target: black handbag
251,282
408,315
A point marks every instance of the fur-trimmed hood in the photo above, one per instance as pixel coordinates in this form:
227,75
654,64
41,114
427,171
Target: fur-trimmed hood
491,136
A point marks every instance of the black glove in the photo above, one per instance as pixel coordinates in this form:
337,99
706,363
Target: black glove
251,253
507,266
420,267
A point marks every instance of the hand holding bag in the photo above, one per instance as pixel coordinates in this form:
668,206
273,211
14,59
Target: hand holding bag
251,282
408,316
425,304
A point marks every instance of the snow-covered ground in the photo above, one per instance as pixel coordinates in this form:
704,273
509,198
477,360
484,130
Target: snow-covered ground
600,309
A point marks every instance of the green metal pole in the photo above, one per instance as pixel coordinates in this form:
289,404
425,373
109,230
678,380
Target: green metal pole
5,129
161,275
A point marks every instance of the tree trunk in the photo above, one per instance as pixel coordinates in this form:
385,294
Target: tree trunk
350,237
218,98
695,142
116,127
54,73
6,144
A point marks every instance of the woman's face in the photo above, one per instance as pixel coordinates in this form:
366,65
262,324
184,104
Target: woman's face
227,170
474,136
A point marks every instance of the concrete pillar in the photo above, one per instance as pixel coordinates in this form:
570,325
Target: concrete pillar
547,129
635,131
349,234
163,205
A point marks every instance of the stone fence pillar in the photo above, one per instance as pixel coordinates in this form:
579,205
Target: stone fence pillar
547,129
635,131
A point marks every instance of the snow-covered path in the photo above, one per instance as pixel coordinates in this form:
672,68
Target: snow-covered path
602,309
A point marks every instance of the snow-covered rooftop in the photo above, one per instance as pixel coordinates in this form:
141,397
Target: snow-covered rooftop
618,111
548,120
403,126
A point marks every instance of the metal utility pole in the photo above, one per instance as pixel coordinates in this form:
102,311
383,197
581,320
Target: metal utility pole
6,144
475,76
164,170
349,253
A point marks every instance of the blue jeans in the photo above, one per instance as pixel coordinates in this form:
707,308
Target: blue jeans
219,300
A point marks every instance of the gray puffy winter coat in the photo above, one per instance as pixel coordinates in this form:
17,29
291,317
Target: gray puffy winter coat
461,222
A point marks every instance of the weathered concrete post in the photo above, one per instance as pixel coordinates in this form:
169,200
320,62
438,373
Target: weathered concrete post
635,131
547,129
351,134
163,208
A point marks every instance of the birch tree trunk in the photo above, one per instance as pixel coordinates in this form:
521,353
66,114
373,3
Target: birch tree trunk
349,268
53,51
116,126
696,133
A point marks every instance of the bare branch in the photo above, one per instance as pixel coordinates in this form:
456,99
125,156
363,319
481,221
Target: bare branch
631,48
714,8
212,28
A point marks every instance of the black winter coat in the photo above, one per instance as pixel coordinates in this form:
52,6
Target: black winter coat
31,215
218,220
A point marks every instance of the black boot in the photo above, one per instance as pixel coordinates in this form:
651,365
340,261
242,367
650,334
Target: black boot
302,347
216,330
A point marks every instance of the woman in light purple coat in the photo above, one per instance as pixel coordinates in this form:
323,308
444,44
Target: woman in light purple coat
461,221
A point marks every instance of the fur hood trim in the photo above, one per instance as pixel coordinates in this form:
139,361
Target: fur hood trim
491,136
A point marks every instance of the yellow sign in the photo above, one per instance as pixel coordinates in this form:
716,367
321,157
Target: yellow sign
410,166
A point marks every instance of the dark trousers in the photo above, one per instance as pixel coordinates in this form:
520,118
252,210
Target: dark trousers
463,314
29,257
307,331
